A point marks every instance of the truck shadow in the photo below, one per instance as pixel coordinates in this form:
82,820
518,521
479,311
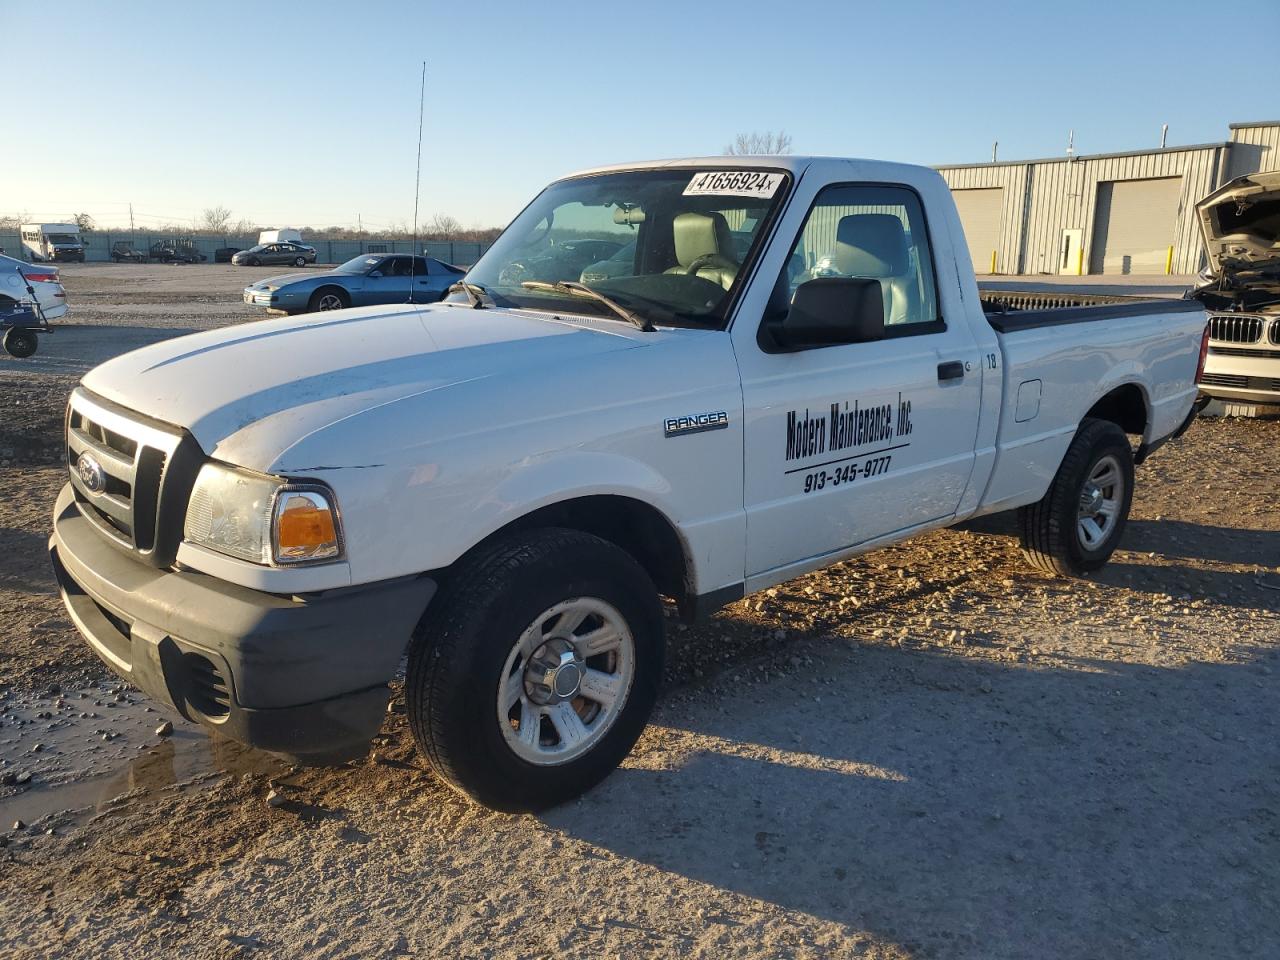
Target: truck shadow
977,809
1198,541
24,566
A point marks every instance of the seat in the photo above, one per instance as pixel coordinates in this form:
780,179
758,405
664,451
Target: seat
704,235
874,246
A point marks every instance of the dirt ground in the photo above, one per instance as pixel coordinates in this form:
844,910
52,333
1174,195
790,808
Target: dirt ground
931,751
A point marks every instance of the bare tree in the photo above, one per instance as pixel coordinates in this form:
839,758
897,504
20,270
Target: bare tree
443,227
759,144
243,227
215,219
83,221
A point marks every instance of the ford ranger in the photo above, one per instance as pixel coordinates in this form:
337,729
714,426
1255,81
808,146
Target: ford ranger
794,368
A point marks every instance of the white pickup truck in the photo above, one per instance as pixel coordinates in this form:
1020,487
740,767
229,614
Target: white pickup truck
793,368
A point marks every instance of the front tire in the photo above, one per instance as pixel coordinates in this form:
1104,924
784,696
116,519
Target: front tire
300,261
1077,525
536,669
329,298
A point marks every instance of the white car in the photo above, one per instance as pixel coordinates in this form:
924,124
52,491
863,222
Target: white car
1240,222
23,282
261,520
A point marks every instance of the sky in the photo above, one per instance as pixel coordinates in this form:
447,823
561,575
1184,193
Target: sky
307,113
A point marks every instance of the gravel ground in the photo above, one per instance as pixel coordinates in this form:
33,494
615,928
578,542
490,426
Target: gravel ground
931,751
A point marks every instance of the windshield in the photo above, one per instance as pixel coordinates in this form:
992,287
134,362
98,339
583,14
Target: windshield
63,238
676,241
362,264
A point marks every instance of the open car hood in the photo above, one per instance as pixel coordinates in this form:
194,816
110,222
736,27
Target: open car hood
1240,223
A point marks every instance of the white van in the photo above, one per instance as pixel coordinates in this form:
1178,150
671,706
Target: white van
47,242
280,236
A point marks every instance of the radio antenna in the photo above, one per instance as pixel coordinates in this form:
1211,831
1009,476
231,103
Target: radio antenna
417,180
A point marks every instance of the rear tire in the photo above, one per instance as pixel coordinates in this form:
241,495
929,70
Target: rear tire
493,720
1077,525
20,343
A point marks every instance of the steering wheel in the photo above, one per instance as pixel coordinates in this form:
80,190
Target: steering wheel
710,260
512,273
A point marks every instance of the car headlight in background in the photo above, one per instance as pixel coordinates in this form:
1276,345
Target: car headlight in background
262,519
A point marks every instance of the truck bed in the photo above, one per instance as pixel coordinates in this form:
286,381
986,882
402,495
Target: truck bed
1009,312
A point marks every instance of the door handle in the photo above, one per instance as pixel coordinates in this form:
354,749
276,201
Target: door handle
951,370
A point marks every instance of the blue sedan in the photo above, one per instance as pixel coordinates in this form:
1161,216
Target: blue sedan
369,279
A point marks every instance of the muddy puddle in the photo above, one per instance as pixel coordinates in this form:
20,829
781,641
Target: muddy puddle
82,750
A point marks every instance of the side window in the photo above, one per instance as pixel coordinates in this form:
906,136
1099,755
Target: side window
875,233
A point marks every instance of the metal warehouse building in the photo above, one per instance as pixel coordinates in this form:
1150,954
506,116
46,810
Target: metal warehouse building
1111,213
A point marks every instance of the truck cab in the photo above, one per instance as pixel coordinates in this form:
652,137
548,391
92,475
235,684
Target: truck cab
794,368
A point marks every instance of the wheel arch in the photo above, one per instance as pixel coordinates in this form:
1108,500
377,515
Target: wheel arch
632,524
1125,405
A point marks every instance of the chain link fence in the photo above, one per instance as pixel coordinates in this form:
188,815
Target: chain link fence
99,243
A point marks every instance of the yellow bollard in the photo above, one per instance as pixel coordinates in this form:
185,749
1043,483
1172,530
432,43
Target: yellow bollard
1168,262
993,261
1080,262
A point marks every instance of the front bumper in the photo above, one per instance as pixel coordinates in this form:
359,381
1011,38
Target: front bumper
303,676
259,298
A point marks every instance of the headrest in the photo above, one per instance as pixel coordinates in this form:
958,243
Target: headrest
871,245
697,234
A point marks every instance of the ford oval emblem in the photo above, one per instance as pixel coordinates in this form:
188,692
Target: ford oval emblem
91,473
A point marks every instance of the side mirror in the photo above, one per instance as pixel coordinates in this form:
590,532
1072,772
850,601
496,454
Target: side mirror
830,310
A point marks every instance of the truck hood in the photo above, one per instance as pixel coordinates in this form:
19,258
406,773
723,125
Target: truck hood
248,392
1240,223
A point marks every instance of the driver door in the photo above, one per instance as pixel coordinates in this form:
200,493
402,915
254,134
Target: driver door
850,442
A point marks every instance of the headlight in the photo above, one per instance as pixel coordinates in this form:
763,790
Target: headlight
262,519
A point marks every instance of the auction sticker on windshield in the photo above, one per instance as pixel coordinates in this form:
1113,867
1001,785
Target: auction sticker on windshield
736,183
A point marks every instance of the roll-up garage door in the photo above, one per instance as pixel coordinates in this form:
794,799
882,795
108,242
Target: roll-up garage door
980,214
1133,225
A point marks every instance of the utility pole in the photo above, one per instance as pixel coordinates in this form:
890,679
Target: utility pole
131,219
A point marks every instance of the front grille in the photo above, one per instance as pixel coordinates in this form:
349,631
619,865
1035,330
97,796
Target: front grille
206,687
1262,353
1235,329
1240,382
147,470
1275,332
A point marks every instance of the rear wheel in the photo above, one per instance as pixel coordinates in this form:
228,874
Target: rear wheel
20,343
536,669
1078,523
329,298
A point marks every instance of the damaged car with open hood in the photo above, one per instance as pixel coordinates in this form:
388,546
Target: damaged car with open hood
1241,289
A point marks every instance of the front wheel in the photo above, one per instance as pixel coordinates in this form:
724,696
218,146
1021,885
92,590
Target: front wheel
299,261
329,299
1078,523
535,670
